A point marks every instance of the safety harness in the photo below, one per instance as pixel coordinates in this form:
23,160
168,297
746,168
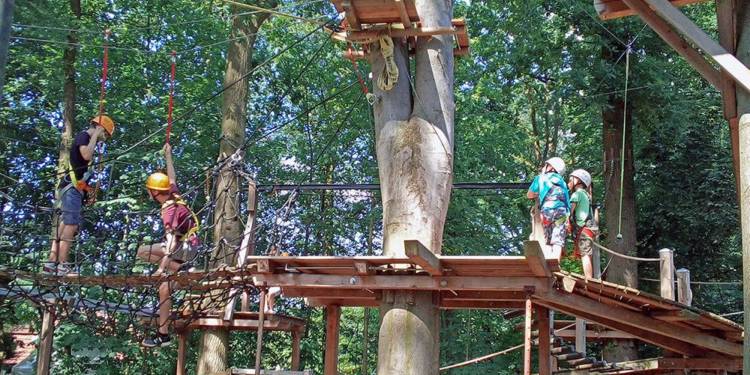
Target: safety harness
177,200
589,229
80,185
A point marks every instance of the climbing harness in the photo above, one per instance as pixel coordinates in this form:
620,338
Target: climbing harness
175,201
171,96
389,76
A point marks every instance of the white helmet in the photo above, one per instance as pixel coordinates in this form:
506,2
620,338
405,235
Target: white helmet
582,175
558,164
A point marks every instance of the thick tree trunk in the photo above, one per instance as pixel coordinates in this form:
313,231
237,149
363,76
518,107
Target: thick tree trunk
620,271
414,145
228,229
743,109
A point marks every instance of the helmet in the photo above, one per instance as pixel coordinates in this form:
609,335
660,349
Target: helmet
158,181
105,122
582,175
558,164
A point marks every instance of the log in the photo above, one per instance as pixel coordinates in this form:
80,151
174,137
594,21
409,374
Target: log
333,314
545,342
527,338
666,273
684,292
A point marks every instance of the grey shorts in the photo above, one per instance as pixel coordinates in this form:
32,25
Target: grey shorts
185,252
71,204
585,245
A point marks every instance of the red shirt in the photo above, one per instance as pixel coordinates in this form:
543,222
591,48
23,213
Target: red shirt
176,217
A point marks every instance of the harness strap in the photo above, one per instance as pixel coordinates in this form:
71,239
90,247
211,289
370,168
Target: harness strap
179,201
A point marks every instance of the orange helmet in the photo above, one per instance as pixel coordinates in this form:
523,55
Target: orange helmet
158,181
105,122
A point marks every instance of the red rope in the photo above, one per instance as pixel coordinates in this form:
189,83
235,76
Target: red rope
171,96
356,70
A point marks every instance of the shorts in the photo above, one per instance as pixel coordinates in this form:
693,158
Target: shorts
185,252
555,230
584,246
71,205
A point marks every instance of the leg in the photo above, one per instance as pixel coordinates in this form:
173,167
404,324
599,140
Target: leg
165,307
273,293
70,219
588,266
586,249
154,254
67,237
56,242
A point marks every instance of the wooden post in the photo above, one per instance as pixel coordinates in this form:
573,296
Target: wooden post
333,313
581,336
44,352
666,273
261,318
684,292
181,352
744,133
527,338
6,19
545,344
296,338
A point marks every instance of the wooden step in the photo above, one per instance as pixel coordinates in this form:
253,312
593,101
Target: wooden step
593,366
581,361
568,356
566,349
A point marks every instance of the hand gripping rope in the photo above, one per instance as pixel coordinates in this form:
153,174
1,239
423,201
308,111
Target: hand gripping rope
171,96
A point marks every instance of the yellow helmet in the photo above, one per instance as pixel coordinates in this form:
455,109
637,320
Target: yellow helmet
158,181
105,122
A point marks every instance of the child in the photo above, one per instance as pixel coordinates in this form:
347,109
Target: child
554,203
181,226
73,190
582,221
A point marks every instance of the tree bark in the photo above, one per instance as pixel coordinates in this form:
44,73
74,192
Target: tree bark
414,146
228,228
743,109
620,271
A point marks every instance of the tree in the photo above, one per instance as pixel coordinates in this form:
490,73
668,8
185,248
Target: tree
414,146
228,230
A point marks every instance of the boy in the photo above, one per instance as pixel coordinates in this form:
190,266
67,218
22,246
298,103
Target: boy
181,226
554,203
582,221
73,190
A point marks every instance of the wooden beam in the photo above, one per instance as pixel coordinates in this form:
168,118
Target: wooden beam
535,256
638,324
727,23
527,337
351,15
423,257
612,9
730,64
401,6
473,295
44,350
333,314
731,364
181,352
264,265
376,32
596,335
545,342
296,339
666,274
328,293
684,292
344,302
402,282
261,316
675,315
363,268
662,28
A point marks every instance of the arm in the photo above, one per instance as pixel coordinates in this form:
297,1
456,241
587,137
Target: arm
170,164
531,195
88,151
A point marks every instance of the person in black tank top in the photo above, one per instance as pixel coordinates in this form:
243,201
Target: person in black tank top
72,192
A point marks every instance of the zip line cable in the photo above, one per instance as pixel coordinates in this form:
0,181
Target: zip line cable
624,129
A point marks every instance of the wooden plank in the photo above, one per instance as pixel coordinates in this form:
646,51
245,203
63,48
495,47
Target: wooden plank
535,256
580,329
333,314
730,364
423,257
527,338
328,293
636,323
472,295
728,62
363,268
344,302
401,282
595,335
545,342
265,265
476,304
261,316
612,9
229,308
691,55
675,315
684,292
181,353
727,24
376,32
401,7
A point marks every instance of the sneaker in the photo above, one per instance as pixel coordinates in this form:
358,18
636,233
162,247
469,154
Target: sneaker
64,269
159,340
50,268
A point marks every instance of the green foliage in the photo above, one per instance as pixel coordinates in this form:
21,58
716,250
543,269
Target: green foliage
534,86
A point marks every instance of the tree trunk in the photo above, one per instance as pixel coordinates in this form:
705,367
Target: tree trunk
228,229
414,146
620,271
743,109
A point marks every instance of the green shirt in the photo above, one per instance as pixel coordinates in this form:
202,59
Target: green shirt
583,206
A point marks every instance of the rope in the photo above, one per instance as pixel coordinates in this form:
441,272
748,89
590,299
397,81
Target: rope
171,96
102,96
389,76
612,252
370,97
624,128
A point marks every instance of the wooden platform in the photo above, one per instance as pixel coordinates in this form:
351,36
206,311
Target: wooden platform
611,9
242,321
668,366
369,19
